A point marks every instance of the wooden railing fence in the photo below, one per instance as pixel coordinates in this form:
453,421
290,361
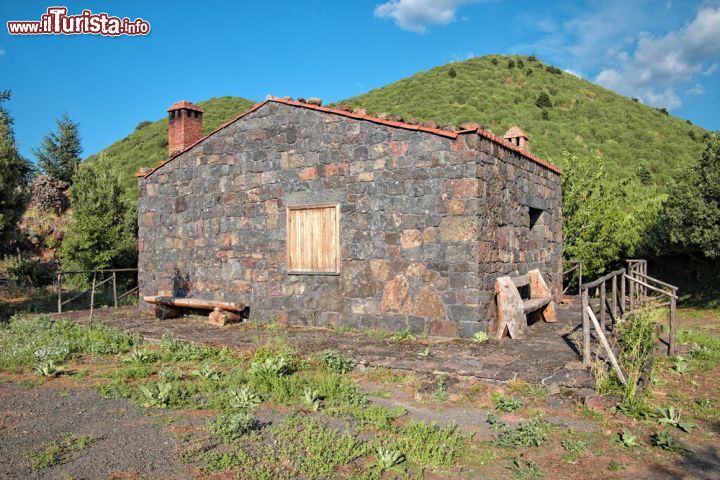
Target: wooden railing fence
622,293
112,276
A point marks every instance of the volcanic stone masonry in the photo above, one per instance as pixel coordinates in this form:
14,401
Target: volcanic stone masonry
427,221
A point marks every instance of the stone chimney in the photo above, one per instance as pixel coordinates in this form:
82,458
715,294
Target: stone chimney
517,137
184,127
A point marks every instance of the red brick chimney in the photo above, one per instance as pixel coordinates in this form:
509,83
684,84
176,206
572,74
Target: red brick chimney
184,127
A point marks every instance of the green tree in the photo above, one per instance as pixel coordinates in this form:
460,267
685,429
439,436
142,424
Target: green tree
543,101
14,174
59,153
693,206
102,233
596,228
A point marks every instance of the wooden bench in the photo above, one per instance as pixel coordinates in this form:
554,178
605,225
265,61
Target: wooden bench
222,312
513,310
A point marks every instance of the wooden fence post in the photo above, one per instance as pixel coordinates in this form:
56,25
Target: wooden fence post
603,305
59,289
580,277
114,282
92,298
673,326
632,294
623,305
586,327
614,299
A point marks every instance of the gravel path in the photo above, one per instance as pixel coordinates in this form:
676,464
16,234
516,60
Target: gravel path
128,441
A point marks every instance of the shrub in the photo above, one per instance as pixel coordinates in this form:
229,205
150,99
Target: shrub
157,395
244,398
553,70
511,64
22,269
452,73
142,124
506,404
430,446
543,101
336,362
233,425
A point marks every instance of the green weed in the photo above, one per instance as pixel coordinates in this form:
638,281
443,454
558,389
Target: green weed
335,362
480,337
48,368
506,404
402,336
525,469
233,425
243,398
157,395
57,452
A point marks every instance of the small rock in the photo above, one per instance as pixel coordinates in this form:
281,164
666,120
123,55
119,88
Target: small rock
553,389
429,124
360,111
314,101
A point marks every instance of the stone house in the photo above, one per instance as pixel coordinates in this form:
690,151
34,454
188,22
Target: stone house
322,216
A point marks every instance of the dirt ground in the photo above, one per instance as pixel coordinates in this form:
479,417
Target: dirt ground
126,440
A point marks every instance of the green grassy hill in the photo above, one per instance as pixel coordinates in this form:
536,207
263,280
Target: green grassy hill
147,145
499,91
635,140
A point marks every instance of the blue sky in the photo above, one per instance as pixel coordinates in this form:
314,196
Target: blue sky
666,52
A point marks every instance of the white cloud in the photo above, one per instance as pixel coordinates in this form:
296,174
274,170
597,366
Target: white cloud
659,65
573,72
696,89
417,15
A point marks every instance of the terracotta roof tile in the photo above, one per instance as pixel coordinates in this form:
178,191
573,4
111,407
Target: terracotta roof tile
514,132
435,131
184,104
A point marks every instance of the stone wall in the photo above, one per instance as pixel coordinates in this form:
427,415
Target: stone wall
427,222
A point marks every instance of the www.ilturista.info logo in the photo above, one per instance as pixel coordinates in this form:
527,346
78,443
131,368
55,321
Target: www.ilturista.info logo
56,21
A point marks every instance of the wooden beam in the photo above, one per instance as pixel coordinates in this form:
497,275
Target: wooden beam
603,340
194,303
585,295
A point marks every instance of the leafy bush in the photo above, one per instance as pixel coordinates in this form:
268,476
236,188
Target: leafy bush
388,459
431,446
48,368
525,434
270,368
506,404
543,101
336,362
312,398
157,395
244,398
22,269
233,425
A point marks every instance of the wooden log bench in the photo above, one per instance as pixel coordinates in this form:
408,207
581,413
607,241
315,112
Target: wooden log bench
514,311
222,312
